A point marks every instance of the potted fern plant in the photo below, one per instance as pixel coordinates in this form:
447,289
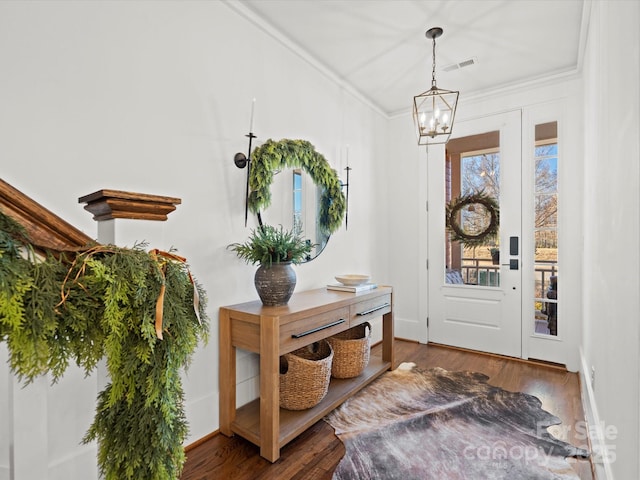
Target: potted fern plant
275,250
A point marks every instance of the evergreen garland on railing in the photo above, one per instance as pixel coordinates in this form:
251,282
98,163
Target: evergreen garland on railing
276,155
102,301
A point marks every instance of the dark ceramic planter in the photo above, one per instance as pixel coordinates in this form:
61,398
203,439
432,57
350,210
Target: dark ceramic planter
275,283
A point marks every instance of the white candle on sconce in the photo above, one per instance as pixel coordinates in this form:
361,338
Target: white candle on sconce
253,108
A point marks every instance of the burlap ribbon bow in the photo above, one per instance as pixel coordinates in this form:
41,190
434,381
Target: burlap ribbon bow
162,257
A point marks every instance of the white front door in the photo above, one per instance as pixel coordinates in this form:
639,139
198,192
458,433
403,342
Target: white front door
484,311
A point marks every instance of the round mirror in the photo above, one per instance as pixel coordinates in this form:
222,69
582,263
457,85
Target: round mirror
295,205
294,186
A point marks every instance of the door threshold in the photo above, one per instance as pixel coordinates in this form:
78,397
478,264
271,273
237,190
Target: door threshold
530,361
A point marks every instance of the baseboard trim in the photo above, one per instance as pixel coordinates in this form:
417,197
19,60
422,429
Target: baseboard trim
600,453
406,328
201,440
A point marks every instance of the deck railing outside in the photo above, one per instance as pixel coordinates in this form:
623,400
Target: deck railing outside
480,271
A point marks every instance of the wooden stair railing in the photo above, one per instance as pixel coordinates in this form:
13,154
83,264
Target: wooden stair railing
45,229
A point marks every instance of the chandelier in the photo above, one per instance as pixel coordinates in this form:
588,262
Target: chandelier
435,109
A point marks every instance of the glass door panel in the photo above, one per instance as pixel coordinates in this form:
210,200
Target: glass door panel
473,167
546,229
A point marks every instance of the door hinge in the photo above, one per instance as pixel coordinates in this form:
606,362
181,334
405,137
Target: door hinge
427,322
426,205
427,263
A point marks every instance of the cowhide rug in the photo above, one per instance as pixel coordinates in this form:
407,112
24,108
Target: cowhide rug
415,424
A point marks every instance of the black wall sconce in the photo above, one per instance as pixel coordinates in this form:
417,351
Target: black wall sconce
241,160
346,185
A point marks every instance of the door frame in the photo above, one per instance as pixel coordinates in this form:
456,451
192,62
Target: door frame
565,348
510,279
549,348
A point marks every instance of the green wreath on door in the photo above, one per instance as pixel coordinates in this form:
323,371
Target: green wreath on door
469,201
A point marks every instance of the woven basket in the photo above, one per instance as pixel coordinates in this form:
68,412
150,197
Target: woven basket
351,351
304,376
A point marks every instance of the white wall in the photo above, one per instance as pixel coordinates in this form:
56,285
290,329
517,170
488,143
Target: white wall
405,177
155,97
612,229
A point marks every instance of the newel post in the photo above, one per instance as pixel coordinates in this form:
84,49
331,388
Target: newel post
109,205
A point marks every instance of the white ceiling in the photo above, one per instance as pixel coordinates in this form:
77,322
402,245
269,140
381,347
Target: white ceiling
379,48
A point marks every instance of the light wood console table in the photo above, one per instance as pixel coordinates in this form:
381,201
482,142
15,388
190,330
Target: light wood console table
273,331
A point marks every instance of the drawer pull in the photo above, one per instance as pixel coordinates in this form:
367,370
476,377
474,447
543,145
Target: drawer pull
380,307
314,330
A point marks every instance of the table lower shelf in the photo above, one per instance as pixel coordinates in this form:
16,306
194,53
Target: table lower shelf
294,422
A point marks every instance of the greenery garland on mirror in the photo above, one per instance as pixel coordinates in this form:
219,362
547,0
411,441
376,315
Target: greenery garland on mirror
276,155
105,302
457,232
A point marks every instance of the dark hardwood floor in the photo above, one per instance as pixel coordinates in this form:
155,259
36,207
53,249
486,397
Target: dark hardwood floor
315,453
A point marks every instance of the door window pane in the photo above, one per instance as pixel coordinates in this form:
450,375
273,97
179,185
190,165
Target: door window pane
546,229
473,166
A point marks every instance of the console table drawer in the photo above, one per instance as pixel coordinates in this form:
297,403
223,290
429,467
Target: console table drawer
303,332
364,311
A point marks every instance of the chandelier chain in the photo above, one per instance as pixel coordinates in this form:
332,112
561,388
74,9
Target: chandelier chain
433,70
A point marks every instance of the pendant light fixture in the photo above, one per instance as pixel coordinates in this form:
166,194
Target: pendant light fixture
435,109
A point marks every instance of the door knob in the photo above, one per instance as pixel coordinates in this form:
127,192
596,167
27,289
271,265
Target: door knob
513,264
